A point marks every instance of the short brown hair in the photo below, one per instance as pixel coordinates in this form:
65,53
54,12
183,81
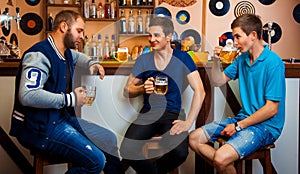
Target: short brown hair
164,22
67,16
248,23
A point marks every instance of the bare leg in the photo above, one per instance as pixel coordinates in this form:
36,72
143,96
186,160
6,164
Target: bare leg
222,159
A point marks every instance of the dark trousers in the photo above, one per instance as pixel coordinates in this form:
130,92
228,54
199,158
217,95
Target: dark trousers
174,148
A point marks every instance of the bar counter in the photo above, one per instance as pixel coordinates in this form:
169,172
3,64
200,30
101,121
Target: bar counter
114,67
206,114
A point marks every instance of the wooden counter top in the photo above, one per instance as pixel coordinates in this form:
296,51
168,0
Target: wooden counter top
112,67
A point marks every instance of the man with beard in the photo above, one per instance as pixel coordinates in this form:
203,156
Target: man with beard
161,114
43,118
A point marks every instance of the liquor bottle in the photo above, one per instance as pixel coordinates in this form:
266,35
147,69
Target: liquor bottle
86,49
93,10
86,9
122,2
99,48
147,21
137,2
76,2
123,23
100,12
51,1
113,9
50,22
139,26
112,47
67,2
131,24
150,2
107,10
144,2
106,47
93,52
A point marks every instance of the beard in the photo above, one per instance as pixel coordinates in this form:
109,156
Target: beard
69,41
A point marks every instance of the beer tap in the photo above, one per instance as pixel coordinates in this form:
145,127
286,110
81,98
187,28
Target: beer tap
270,29
5,18
18,18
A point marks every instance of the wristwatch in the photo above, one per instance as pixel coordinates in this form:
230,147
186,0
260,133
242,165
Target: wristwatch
237,127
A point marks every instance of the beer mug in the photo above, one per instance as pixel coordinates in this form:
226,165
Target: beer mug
122,54
161,85
90,94
229,52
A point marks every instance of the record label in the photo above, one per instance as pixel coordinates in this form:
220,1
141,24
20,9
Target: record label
223,38
31,23
219,7
183,17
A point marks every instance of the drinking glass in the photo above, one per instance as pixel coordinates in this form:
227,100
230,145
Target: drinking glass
90,94
161,85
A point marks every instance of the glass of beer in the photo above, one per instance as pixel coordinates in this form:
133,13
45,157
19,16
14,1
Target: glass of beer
161,85
122,54
90,94
227,56
229,52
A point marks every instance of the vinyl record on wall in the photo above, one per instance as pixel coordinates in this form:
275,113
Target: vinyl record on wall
223,38
192,33
296,13
31,23
244,7
162,11
183,17
32,2
267,2
219,7
275,33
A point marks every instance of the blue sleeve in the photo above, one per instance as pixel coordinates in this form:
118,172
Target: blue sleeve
275,85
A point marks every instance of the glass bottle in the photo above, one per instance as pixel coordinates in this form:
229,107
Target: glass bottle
86,9
93,46
112,47
50,22
139,26
107,10
93,10
122,23
147,21
100,12
123,2
113,9
106,47
150,2
131,25
99,48
86,49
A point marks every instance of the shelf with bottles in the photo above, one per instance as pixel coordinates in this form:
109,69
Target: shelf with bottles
100,10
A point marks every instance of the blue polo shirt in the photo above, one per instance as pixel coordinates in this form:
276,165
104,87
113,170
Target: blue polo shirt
261,81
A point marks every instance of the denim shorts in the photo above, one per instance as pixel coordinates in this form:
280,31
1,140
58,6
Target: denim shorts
246,141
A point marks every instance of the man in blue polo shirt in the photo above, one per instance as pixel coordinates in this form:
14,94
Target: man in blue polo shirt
262,90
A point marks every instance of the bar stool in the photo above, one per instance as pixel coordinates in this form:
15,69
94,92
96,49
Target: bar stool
153,146
263,154
40,161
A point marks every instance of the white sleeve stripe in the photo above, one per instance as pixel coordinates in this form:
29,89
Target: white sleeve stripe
73,102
